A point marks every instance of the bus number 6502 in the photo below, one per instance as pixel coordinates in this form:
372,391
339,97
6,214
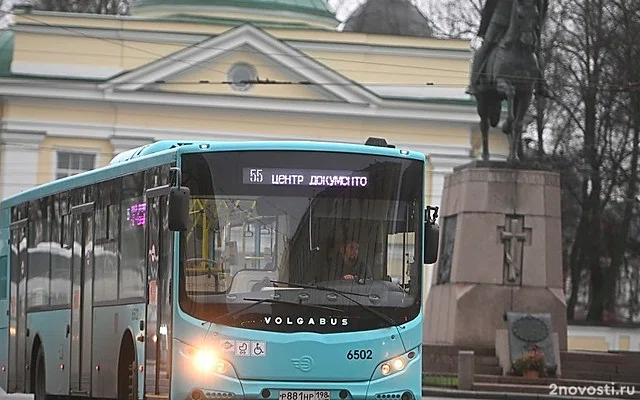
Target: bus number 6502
359,354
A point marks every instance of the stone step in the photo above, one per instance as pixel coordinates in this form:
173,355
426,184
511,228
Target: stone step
569,370
559,390
592,357
551,389
453,350
549,380
435,356
450,393
483,365
609,369
511,388
629,356
448,360
440,370
600,366
629,376
488,378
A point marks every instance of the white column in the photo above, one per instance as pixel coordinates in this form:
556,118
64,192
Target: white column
441,165
19,161
634,344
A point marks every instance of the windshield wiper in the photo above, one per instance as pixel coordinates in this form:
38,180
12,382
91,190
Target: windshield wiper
295,304
344,294
234,312
267,300
323,288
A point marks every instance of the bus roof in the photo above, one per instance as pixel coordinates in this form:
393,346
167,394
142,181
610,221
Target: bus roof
166,151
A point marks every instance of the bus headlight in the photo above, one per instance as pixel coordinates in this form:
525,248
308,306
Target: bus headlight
398,364
207,361
395,365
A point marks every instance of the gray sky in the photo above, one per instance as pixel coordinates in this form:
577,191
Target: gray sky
345,7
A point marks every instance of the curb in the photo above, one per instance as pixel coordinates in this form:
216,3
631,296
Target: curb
471,394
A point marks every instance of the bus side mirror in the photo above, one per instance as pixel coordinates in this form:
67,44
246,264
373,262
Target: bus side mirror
431,235
179,208
431,242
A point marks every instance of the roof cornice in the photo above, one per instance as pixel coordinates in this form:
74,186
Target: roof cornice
195,38
392,109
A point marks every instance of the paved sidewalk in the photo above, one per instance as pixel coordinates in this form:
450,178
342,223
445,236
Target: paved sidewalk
433,392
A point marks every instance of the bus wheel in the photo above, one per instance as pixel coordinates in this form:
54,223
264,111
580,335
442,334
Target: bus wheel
127,373
40,387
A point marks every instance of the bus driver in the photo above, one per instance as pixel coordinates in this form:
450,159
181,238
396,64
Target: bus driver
348,265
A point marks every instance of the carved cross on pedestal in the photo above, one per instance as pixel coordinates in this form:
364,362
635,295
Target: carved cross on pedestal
514,236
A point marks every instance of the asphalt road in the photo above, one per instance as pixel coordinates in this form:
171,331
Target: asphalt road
4,396
30,397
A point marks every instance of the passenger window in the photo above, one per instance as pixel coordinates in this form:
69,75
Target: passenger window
3,277
133,214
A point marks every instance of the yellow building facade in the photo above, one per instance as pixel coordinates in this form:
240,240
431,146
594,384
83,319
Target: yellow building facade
93,86
77,89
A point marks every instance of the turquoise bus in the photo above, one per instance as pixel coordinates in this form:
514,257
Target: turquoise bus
276,270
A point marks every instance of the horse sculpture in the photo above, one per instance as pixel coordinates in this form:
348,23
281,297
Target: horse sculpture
509,73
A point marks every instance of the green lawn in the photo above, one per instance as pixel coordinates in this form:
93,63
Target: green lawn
439,380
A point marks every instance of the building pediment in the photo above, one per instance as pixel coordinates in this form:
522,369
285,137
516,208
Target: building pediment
208,67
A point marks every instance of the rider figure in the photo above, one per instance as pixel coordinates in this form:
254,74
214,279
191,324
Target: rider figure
495,19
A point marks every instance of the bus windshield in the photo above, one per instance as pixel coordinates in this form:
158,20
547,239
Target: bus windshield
302,241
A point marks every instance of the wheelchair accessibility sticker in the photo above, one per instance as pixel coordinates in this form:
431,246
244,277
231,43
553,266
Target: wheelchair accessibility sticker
258,349
244,348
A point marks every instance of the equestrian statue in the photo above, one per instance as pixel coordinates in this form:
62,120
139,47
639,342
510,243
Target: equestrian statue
507,67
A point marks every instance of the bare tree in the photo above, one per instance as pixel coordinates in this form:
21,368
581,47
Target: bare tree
589,131
454,18
113,7
595,130
624,56
5,8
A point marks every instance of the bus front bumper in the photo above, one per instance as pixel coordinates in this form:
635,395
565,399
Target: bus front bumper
328,391
403,384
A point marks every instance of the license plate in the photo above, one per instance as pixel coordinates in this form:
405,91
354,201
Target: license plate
304,395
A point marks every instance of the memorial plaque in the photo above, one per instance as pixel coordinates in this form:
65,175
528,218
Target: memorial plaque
446,249
527,330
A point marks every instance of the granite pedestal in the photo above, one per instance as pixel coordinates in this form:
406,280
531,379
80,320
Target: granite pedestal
500,250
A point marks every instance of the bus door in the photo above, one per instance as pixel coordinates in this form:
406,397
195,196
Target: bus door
81,303
158,318
18,314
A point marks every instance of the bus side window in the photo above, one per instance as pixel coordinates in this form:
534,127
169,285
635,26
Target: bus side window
38,272
3,277
61,258
133,259
105,284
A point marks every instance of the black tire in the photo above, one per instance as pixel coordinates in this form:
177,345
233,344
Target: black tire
40,378
127,372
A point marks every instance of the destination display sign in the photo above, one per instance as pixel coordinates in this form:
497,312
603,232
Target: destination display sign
304,177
